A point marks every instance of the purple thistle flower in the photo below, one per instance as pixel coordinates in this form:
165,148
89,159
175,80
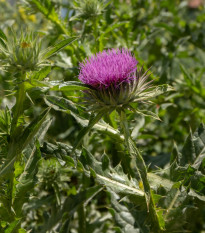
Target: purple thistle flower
108,68
114,82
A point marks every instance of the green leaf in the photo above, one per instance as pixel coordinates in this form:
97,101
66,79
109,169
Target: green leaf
41,74
12,227
61,151
3,39
70,205
93,120
157,181
21,230
154,92
113,178
167,27
101,126
142,171
127,216
24,139
187,76
147,113
64,105
47,8
2,35
60,104
31,130
54,49
27,179
193,151
66,86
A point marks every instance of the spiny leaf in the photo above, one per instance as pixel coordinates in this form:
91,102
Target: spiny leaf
64,86
147,113
70,205
55,48
26,137
41,74
12,226
101,126
2,35
194,148
31,130
114,178
64,105
93,120
127,216
27,179
154,92
60,104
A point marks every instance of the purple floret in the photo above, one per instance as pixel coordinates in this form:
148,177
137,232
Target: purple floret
107,68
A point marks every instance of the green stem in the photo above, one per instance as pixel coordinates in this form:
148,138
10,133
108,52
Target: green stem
142,171
18,109
95,33
10,195
81,219
15,131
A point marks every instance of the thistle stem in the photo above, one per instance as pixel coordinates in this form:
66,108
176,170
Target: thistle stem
142,171
18,108
95,33
81,219
15,131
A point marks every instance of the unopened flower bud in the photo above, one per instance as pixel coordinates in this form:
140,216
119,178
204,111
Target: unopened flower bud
89,8
21,54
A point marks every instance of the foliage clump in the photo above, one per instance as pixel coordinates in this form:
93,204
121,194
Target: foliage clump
88,141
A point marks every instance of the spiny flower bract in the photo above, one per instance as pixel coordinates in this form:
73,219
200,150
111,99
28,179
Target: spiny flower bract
111,67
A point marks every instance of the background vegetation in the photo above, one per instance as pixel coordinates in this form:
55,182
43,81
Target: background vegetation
44,186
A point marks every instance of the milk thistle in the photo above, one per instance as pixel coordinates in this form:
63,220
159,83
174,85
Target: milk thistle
114,80
114,84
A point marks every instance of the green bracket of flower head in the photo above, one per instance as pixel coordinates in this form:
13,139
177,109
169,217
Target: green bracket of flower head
20,54
88,9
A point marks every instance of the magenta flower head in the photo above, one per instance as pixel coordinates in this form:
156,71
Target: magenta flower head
114,81
109,68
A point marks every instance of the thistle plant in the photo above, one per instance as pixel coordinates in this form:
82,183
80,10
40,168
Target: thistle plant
114,83
127,176
22,57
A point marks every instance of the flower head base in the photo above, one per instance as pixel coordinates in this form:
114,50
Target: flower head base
109,68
